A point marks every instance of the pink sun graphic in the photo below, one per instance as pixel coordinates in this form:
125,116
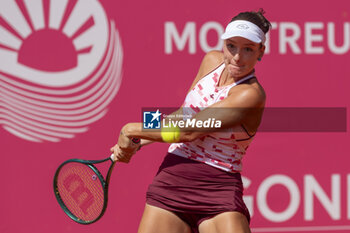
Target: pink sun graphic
61,68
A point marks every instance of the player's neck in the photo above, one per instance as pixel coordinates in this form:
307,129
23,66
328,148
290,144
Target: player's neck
226,79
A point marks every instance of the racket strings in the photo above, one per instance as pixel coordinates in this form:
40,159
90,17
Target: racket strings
81,191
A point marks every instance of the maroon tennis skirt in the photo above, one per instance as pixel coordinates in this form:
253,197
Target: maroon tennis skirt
186,186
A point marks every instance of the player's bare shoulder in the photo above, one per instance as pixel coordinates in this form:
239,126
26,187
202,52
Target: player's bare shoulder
211,61
250,90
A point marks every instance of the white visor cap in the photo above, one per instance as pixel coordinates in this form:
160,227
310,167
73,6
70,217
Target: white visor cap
244,29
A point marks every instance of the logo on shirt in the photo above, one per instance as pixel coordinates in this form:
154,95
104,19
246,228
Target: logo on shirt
151,119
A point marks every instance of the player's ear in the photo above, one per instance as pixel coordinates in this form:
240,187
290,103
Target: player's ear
261,51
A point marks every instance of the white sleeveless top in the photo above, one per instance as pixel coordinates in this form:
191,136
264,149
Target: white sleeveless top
224,149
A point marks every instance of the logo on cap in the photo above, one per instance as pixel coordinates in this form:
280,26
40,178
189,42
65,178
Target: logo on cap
243,26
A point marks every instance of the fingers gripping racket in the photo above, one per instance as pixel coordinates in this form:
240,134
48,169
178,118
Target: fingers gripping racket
81,189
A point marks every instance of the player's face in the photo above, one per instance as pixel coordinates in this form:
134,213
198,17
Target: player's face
241,55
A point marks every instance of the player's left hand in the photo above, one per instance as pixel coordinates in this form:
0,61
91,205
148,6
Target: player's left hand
125,148
122,155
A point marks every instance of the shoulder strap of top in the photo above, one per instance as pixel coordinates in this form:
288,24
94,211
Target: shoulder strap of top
244,79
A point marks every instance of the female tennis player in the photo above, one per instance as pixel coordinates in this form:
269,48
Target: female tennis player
198,187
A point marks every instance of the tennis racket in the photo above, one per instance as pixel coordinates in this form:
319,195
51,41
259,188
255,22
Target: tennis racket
81,189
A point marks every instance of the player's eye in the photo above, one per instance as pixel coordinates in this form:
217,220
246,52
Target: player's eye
248,49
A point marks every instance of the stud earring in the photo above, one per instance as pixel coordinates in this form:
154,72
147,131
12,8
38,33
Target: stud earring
259,59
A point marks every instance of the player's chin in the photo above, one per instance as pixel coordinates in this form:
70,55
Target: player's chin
237,72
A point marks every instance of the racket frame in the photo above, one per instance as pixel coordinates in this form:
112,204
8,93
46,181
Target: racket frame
104,183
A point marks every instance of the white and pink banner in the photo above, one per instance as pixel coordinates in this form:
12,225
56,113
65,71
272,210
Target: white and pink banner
73,72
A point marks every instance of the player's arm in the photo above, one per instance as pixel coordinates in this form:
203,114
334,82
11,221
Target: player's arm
234,110
244,106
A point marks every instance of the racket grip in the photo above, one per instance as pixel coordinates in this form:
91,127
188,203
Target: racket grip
137,141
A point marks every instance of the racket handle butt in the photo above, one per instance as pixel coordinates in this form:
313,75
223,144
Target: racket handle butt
113,157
